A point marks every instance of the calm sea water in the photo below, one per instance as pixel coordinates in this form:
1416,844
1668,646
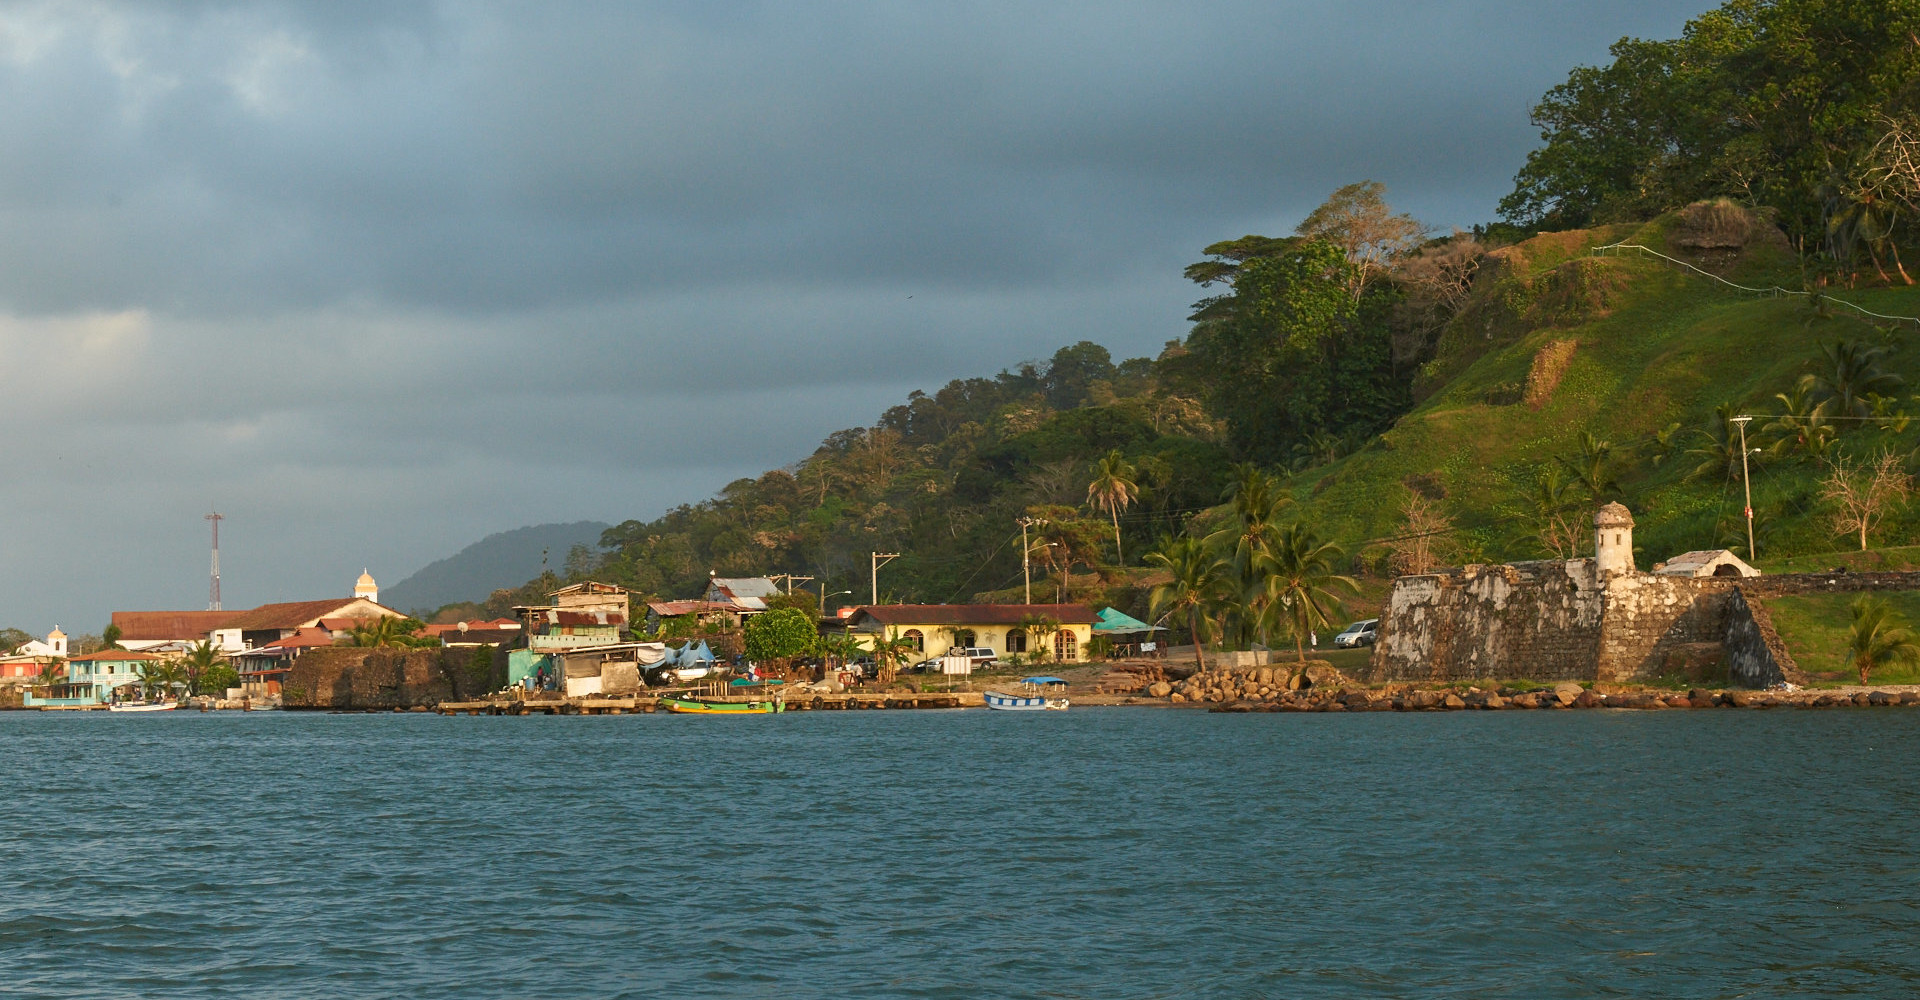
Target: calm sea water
1095,853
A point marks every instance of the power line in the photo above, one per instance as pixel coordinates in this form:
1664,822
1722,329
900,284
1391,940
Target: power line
1772,290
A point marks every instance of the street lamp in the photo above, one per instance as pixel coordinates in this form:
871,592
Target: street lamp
1746,481
823,599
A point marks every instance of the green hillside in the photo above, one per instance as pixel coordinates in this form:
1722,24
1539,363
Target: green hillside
1367,396
1654,346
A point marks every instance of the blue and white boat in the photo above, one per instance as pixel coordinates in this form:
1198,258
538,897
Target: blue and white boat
1028,702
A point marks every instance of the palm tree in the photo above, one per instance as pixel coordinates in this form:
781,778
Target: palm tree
1593,468
200,659
1114,490
1718,450
1041,628
1854,374
385,630
1192,591
1300,578
1803,425
1878,637
1554,504
840,647
162,676
890,653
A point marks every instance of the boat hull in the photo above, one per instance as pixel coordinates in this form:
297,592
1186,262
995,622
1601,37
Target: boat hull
1023,703
165,707
690,706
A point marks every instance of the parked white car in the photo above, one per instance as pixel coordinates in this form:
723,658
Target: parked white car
1364,633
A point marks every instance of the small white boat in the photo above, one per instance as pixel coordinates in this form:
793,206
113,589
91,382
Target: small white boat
1023,703
144,706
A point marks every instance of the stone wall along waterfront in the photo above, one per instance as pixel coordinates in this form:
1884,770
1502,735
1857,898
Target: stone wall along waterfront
348,677
1531,619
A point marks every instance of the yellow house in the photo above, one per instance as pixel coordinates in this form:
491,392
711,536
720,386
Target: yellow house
934,629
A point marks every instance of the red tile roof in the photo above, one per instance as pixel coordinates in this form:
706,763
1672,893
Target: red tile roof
973,614
149,626
112,655
291,614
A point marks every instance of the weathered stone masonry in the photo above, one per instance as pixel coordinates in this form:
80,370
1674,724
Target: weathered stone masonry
1555,620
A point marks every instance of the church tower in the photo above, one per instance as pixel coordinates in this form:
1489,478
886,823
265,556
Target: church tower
365,587
58,640
1613,540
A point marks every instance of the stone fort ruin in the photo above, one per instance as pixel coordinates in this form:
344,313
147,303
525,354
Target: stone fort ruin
1598,618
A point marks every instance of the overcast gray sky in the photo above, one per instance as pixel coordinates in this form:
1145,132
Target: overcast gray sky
378,279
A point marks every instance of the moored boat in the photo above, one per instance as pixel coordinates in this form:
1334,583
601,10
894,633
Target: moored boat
700,706
1023,703
143,706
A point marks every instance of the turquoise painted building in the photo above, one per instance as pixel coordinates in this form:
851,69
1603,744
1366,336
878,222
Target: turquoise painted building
94,678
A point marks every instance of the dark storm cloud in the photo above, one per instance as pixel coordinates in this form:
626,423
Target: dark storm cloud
351,269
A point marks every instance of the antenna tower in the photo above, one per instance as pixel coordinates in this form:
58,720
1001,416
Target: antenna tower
213,593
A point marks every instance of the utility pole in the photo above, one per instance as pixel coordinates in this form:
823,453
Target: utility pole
213,593
789,577
1746,482
1026,571
880,559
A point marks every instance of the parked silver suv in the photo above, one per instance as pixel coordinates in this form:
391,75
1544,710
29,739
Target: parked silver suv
1364,633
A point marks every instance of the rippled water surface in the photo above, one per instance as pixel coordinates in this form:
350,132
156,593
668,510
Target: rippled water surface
1095,853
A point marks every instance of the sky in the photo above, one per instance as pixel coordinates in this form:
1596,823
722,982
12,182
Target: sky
377,279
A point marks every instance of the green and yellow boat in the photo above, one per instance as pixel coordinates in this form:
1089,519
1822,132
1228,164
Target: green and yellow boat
696,706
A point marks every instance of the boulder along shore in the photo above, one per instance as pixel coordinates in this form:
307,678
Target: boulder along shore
1321,688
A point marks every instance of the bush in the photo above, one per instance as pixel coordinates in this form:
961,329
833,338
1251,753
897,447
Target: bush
215,680
780,634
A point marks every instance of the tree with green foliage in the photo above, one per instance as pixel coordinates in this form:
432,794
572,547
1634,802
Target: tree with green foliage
1191,591
1878,637
216,681
388,631
1779,103
1357,219
1853,379
1040,630
1301,577
1114,490
1254,501
200,660
110,637
161,678
1716,452
1803,427
1554,504
12,639
780,635
890,653
1595,468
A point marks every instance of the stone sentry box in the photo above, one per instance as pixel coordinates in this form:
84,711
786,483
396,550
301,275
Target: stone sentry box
1594,619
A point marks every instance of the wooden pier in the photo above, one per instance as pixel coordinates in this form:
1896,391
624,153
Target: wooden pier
646,703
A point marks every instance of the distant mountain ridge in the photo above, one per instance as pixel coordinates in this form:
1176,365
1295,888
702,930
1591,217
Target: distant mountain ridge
504,559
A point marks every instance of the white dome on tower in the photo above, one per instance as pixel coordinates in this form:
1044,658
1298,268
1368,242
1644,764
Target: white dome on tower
365,587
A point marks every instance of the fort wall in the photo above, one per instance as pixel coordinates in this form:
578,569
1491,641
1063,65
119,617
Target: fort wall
1563,620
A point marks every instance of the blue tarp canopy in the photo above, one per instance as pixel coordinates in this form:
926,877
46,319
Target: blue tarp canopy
1042,680
1119,622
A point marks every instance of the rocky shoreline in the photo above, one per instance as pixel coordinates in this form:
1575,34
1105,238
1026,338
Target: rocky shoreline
1320,688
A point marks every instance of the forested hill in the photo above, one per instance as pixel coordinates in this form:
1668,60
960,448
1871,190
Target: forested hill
1434,397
